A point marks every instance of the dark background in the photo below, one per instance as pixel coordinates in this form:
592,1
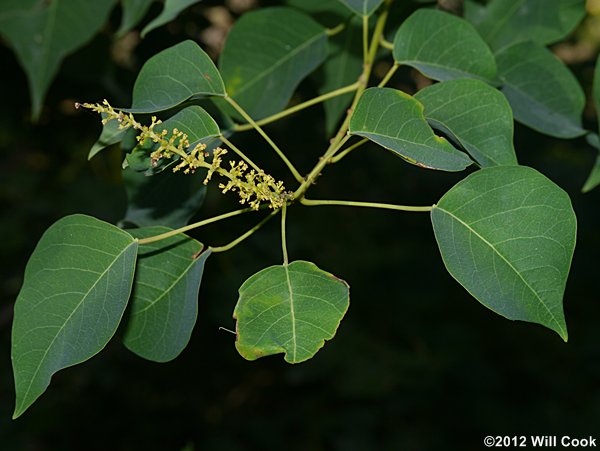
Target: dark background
417,364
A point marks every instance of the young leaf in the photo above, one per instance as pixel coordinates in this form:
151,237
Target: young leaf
164,303
477,115
289,309
395,121
362,7
542,92
42,34
443,47
593,179
174,76
133,12
170,11
507,235
506,22
262,69
76,287
342,68
110,134
167,198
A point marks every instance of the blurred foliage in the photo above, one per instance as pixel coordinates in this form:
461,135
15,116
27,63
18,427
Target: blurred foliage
417,364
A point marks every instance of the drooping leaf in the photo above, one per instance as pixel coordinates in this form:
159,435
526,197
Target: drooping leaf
477,115
542,92
42,34
289,309
443,47
164,302
167,198
266,55
111,134
174,76
76,287
507,235
170,11
593,179
362,7
342,67
395,121
505,22
133,12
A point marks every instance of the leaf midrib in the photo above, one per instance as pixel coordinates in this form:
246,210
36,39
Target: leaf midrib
468,227
292,310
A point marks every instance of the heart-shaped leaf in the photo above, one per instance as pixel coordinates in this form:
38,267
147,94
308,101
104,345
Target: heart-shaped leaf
174,76
289,309
443,47
362,7
476,115
171,10
164,303
507,235
505,22
42,34
395,121
542,92
76,287
266,55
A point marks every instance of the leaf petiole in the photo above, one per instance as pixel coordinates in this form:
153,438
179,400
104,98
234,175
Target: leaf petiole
242,237
347,203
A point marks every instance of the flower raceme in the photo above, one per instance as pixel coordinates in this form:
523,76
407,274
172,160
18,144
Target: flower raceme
254,187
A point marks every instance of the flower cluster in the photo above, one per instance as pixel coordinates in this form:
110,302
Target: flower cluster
253,187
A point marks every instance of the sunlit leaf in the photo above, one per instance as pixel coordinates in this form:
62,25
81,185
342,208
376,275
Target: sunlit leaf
164,302
289,309
395,121
476,115
507,235
43,33
542,92
266,55
76,287
443,47
174,76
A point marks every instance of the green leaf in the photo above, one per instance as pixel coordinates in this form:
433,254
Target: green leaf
443,47
170,11
111,134
42,34
289,309
164,303
76,287
507,235
593,179
174,76
362,7
342,68
167,198
542,92
596,91
133,12
395,121
505,22
266,55
327,12
476,115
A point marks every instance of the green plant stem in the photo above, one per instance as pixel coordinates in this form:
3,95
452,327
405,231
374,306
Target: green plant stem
335,30
195,225
386,44
242,237
347,150
240,153
347,203
363,82
299,107
389,75
283,239
365,30
251,121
